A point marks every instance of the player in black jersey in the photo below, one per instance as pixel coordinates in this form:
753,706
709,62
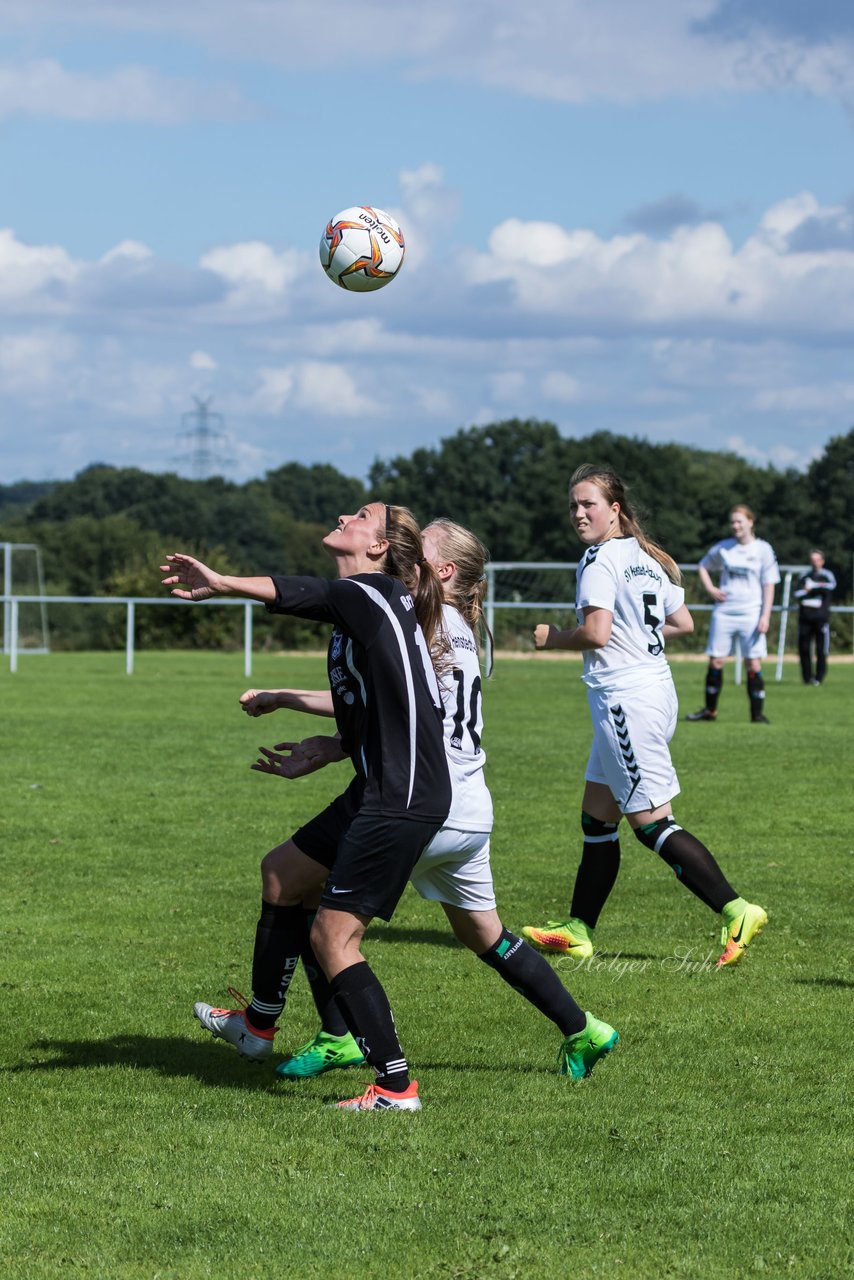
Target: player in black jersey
385,608
454,870
813,592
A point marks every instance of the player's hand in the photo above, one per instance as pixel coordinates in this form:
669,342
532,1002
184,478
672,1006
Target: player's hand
298,759
259,702
197,581
294,764
762,626
717,595
544,635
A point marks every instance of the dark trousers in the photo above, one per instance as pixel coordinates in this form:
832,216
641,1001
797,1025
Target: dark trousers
813,634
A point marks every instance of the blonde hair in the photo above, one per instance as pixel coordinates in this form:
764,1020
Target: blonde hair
467,589
613,490
745,511
405,561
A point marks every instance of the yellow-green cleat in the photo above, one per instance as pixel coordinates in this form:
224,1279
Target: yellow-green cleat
579,1054
322,1053
742,922
562,937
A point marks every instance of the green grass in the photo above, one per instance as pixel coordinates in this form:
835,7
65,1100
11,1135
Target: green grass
712,1143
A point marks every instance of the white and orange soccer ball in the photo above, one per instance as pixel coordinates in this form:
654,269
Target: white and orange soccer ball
362,248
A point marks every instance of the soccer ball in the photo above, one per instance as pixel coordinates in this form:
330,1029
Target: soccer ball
362,248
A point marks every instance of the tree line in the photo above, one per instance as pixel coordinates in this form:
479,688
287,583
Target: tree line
105,531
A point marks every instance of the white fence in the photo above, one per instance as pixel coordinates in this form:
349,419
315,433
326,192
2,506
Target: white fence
12,603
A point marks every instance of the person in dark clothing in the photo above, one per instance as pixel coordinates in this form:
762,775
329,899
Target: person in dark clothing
813,592
386,611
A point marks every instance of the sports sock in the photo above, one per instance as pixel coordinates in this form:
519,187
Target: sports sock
756,693
368,1014
597,870
689,859
532,976
331,1018
714,684
278,942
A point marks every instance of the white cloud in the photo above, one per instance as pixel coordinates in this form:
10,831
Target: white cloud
45,88
254,270
201,360
35,364
561,386
29,270
507,385
834,398
562,50
695,276
314,386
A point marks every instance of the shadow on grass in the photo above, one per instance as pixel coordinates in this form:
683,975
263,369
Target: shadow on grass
843,983
211,1064
168,1055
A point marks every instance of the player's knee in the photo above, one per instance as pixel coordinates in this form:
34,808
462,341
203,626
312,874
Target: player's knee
655,834
596,831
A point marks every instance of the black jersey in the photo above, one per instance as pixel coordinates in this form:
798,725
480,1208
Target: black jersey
813,592
386,698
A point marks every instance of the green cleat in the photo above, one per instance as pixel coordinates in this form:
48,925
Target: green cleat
579,1054
567,938
323,1053
742,922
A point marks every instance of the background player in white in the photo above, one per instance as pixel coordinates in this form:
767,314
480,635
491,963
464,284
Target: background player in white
628,604
743,600
454,870
813,592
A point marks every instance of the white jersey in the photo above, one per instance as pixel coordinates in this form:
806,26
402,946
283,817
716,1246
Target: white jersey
744,568
618,575
471,803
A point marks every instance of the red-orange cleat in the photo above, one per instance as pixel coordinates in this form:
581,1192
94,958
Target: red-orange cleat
376,1099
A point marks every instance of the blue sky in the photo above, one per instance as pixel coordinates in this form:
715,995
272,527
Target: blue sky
629,217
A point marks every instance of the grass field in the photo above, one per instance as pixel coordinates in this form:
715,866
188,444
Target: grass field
714,1142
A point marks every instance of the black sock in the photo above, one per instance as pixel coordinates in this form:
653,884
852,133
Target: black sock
756,693
331,1018
533,977
597,871
690,860
714,684
368,1014
278,941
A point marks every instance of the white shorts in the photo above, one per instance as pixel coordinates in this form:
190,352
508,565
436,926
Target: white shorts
630,753
727,629
454,868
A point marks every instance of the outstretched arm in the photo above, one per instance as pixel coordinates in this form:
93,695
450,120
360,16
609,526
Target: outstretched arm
258,702
198,582
301,759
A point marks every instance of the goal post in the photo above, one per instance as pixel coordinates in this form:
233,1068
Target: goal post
23,575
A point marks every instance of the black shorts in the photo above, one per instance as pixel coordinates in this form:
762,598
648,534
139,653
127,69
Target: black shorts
375,859
319,839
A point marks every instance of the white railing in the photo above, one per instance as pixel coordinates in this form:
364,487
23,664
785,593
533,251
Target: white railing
788,572
12,603
10,639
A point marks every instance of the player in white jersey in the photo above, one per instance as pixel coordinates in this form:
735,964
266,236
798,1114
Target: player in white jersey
454,870
743,600
628,605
